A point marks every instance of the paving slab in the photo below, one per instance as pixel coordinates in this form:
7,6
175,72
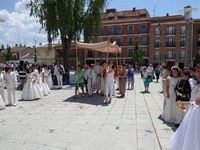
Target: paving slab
60,122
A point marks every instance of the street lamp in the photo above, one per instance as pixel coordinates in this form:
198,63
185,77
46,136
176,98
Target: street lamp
159,39
187,11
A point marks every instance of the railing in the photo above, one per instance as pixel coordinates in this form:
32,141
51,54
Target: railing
170,56
118,32
131,31
142,31
170,32
131,43
171,44
157,45
110,32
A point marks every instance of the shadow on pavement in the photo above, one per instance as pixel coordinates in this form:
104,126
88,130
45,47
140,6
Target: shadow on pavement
95,99
171,125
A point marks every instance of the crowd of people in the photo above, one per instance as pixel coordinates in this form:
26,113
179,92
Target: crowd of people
104,79
36,81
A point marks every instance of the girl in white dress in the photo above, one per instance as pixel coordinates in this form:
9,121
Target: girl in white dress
48,77
170,110
43,84
187,136
31,90
2,97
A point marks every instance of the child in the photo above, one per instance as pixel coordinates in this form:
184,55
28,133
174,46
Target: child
11,85
79,80
183,93
31,89
145,79
170,110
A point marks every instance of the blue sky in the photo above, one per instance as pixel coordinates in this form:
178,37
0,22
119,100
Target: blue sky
19,27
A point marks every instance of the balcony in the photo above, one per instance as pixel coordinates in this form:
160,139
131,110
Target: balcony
171,44
182,44
110,32
119,32
130,31
119,43
170,56
142,31
171,32
130,43
157,45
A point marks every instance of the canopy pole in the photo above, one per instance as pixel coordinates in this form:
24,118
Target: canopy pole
108,49
85,56
116,59
77,69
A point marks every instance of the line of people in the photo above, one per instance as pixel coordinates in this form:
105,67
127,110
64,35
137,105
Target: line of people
104,79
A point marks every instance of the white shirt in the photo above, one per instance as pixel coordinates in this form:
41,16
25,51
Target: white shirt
149,69
57,71
111,74
89,74
11,80
98,69
194,88
1,80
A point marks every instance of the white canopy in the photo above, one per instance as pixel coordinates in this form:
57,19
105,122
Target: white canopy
105,47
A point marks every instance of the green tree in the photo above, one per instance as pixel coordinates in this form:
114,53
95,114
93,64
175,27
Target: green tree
68,19
137,53
35,54
2,46
8,54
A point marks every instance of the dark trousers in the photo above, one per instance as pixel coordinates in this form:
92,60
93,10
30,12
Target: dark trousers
157,76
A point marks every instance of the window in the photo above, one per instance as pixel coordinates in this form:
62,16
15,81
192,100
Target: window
143,29
170,42
170,30
110,31
170,55
157,43
119,41
111,55
90,53
182,42
157,32
111,40
144,51
183,29
119,30
157,55
182,54
47,53
101,32
130,29
143,41
130,52
130,41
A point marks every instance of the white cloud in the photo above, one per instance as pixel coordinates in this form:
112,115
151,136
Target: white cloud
20,23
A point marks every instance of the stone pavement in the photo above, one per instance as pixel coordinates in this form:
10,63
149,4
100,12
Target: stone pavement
60,122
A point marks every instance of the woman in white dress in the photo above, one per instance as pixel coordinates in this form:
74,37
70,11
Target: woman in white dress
31,90
169,112
43,84
48,77
187,136
109,82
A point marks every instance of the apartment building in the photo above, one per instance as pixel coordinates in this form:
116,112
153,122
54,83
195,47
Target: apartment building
124,27
196,42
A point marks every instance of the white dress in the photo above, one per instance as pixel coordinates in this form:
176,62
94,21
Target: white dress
43,85
49,79
31,89
187,136
2,104
170,109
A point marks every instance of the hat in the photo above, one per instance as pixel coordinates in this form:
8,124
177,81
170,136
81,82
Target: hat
180,106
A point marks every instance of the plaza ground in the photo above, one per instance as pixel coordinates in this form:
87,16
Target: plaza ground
59,122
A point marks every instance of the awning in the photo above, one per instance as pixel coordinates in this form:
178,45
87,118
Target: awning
105,47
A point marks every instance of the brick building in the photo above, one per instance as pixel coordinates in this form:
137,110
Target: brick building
196,41
124,27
